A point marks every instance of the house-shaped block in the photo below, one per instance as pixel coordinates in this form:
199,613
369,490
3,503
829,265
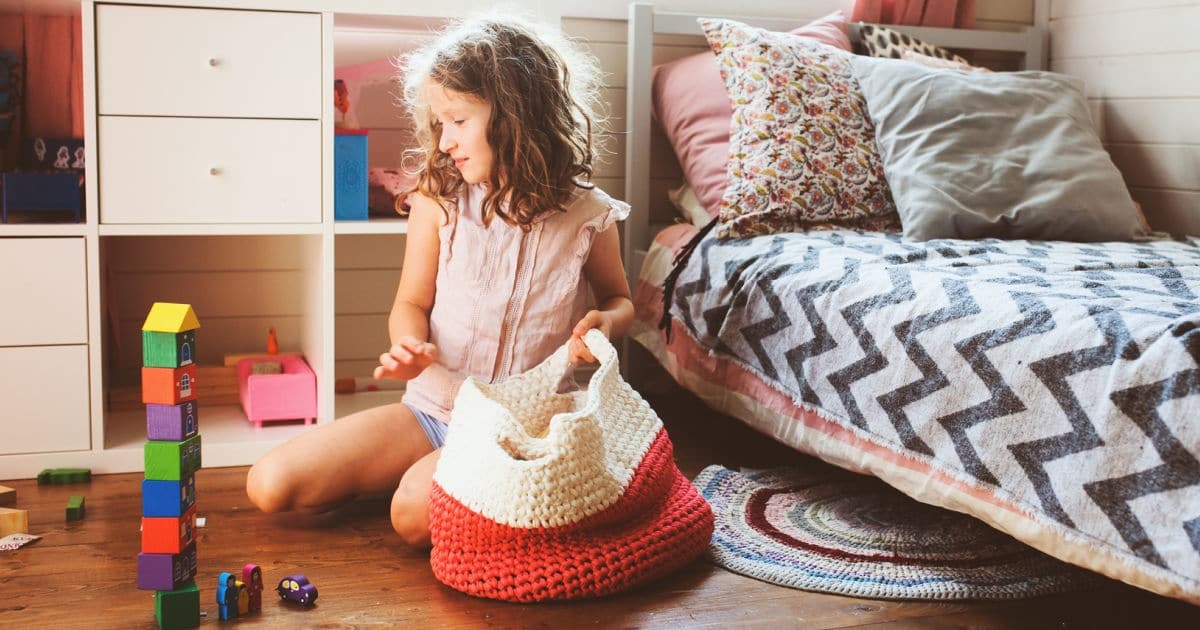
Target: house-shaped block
172,461
168,534
169,336
172,422
168,386
163,497
166,571
179,608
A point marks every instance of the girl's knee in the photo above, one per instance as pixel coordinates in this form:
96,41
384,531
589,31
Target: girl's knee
410,516
410,504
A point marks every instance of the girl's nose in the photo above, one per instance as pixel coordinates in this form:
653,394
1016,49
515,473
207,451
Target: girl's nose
446,142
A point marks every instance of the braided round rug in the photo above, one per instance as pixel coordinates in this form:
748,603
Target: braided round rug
824,529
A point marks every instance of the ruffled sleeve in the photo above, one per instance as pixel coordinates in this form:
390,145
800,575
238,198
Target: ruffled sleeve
604,212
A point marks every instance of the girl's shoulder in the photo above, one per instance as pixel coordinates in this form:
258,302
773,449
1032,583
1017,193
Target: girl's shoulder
423,208
590,204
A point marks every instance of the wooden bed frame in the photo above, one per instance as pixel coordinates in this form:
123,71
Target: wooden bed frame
645,23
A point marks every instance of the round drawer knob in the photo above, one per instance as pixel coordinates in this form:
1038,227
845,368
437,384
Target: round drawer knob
214,62
214,170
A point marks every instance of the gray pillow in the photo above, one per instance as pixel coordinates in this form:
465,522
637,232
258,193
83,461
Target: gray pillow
1004,155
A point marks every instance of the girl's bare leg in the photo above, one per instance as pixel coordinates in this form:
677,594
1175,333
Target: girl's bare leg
363,453
410,503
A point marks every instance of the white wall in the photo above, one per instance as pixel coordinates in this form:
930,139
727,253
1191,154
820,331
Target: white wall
1139,59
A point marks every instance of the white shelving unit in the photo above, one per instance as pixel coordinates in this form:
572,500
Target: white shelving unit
234,100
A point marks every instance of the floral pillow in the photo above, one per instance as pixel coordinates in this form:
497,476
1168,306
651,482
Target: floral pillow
802,147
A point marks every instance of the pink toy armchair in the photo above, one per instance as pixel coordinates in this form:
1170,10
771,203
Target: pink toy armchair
291,395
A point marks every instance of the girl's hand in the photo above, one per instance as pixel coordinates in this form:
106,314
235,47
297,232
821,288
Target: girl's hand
578,351
406,359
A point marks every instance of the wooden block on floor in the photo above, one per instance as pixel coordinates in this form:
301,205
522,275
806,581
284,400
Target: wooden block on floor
13,521
8,496
58,476
75,507
179,608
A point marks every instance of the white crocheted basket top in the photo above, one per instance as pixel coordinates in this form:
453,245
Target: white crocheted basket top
523,455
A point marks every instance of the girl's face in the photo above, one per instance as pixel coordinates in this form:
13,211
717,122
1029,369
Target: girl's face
464,124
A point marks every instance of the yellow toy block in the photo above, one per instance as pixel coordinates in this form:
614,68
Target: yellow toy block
171,318
8,496
13,521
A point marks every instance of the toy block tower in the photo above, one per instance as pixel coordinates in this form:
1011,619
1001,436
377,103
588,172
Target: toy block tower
167,562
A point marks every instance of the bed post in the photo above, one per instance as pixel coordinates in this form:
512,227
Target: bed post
637,137
637,153
1037,57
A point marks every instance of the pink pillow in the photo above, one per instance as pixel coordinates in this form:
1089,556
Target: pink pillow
692,106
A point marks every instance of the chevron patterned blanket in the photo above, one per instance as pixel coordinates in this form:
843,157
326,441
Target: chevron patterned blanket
1051,389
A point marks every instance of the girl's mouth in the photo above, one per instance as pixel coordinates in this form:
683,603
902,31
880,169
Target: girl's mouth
459,162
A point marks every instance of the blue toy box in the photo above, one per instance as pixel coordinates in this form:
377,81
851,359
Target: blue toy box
41,192
350,174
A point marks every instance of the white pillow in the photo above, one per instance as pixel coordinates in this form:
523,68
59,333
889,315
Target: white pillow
688,204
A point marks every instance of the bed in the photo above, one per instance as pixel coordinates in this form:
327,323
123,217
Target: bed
1043,385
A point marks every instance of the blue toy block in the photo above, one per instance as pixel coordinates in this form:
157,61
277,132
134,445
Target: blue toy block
41,192
168,497
350,175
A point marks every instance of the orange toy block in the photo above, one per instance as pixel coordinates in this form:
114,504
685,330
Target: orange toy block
8,496
13,521
169,534
168,386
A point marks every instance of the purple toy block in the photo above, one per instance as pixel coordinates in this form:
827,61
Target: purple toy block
172,423
166,571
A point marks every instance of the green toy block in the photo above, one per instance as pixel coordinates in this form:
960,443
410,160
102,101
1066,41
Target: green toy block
167,349
179,608
56,476
172,461
75,508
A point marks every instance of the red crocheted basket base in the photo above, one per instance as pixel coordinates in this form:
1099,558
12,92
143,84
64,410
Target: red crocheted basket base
660,524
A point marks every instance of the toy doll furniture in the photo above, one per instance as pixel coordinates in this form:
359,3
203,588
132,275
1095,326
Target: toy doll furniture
290,395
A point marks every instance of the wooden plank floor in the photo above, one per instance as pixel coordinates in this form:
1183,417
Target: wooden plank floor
83,574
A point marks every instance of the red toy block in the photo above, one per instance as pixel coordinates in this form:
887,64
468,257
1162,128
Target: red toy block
168,534
167,386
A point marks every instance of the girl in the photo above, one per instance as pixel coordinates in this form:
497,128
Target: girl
505,239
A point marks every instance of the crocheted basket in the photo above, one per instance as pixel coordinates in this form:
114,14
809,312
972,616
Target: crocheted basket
540,495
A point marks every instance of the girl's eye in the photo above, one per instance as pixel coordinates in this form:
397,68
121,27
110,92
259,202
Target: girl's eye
458,123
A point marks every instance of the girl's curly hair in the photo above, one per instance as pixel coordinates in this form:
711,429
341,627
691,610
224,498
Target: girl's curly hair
544,97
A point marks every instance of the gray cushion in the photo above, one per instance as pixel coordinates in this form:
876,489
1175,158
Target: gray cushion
1005,155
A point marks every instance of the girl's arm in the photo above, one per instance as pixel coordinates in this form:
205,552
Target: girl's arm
614,310
408,324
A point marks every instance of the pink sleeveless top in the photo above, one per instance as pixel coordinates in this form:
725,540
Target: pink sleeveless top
506,298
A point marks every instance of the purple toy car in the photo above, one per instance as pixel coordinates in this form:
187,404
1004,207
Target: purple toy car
297,589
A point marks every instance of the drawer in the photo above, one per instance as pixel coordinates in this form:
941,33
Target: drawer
44,284
167,61
44,399
209,170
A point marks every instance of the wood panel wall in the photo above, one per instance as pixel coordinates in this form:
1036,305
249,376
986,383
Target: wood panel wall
1139,59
